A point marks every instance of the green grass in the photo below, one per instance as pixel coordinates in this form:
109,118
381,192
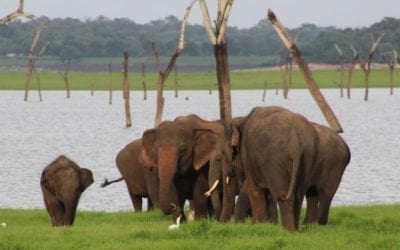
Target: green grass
362,227
15,80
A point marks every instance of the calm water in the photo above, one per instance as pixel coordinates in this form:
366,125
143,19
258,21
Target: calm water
91,132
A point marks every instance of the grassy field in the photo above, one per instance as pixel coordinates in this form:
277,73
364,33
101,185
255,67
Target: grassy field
363,227
15,80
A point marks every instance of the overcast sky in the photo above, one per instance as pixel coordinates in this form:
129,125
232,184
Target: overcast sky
245,13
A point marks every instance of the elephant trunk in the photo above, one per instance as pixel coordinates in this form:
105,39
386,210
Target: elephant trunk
229,187
167,167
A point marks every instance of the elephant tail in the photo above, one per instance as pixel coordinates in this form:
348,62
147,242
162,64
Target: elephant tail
106,182
293,179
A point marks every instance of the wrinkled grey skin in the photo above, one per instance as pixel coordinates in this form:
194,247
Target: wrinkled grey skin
181,149
278,151
62,183
333,157
140,181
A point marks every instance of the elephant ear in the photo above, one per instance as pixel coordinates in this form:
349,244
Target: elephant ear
148,156
86,177
205,140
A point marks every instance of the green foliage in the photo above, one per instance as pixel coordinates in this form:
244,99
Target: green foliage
104,37
363,227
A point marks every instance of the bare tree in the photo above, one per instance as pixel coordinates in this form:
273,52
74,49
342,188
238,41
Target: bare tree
144,81
163,75
33,55
126,90
110,83
366,66
354,61
18,13
264,91
176,81
392,63
64,76
341,61
218,39
304,69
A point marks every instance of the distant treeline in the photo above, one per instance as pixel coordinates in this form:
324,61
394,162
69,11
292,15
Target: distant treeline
104,37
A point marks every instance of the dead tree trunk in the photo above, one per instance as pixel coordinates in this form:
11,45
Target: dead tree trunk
265,91
366,66
304,69
351,69
163,75
144,81
110,83
65,77
33,55
18,13
341,61
392,65
218,39
284,80
126,91
176,81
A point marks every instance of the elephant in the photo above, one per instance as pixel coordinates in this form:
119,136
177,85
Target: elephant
181,149
62,183
278,150
238,185
333,157
140,181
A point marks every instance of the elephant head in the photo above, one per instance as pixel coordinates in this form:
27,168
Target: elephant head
178,148
226,170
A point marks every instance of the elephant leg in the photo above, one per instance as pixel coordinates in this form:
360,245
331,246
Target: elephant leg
257,201
312,206
200,201
287,214
272,210
136,201
54,207
298,201
323,210
150,205
242,206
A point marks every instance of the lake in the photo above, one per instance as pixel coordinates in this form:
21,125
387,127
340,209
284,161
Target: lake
91,132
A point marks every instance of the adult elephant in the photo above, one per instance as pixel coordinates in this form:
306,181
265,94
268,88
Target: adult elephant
140,181
181,150
333,157
278,151
234,195
62,183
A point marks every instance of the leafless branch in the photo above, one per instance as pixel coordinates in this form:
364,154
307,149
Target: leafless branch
18,13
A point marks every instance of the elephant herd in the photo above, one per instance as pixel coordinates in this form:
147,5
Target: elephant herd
261,165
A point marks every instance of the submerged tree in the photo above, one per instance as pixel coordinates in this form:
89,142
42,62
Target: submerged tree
354,61
163,75
218,39
33,55
306,72
366,66
341,61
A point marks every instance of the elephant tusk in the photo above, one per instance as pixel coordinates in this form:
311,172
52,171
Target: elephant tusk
212,189
227,180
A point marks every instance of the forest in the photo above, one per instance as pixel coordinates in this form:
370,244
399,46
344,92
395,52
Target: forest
105,37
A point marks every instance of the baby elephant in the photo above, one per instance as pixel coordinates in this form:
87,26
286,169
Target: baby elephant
62,183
